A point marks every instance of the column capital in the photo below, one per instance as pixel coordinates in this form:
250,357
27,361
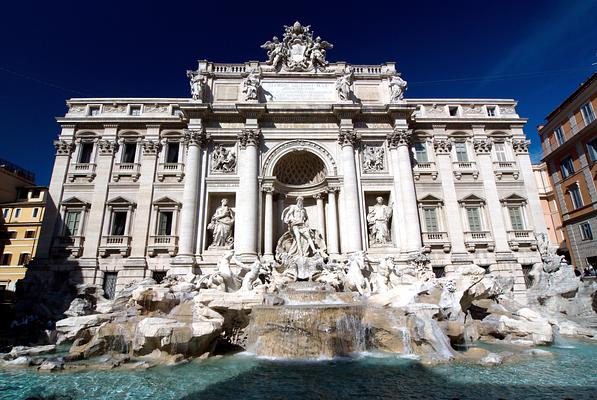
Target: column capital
151,148
318,196
399,137
267,189
482,146
442,146
521,146
63,148
195,137
332,189
107,147
249,137
348,137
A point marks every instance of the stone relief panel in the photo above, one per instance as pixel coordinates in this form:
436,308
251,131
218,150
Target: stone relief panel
223,160
155,108
473,110
374,159
114,109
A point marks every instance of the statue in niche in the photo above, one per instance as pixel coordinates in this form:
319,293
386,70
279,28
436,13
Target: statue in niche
373,159
299,240
251,85
344,84
378,221
197,83
397,89
221,224
223,160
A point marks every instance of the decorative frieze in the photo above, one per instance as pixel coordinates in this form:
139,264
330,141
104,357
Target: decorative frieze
249,137
521,146
114,109
107,147
151,148
442,146
63,148
155,108
399,137
473,109
348,137
482,146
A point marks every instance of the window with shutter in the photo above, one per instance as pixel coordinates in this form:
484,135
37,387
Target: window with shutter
516,218
431,223
461,153
474,219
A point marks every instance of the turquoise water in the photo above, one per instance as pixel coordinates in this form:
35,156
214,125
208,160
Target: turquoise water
570,373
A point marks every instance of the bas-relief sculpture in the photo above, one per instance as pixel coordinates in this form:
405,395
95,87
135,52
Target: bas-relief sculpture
223,160
373,159
221,225
378,221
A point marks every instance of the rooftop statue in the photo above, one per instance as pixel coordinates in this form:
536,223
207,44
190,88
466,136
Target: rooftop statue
397,89
197,83
251,85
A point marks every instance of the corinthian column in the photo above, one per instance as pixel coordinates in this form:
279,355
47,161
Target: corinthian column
247,205
351,236
194,138
399,140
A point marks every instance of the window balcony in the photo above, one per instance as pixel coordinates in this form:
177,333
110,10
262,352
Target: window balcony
501,168
115,244
126,169
162,244
436,240
69,244
425,168
170,169
465,168
518,238
85,170
477,239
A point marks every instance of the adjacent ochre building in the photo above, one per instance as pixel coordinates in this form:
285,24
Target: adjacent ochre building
569,139
142,186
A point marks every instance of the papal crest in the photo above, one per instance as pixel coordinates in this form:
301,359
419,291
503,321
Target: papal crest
297,51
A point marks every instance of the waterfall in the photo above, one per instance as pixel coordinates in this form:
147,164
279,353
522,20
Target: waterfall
406,339
557,339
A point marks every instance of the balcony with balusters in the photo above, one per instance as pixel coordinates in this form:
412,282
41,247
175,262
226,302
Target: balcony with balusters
465,168
85,170
436,240
170,169
162,244
68,244
520,238
126,169
425,168
501,168
115,244
478,239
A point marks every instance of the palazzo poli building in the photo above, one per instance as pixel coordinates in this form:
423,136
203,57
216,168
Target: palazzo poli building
143,186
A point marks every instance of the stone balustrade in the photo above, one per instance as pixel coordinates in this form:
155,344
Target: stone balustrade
86,170
115,244
425,168
475,239
162,244
126,169
170,169
465,167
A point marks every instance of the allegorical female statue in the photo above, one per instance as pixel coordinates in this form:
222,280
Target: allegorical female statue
221,224
378,221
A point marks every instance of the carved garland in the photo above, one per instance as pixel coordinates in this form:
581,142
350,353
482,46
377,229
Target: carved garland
521,146
151,148
107,148
482,146
63,148
442,146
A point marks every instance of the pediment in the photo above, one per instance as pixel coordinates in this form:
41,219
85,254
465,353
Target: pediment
514,198
430,199
75,202
166,201
472,199
120,201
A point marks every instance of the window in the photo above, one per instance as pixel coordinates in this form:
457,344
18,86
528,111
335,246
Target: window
573,125
473,216
430,215
165,223
592,149
6,259
109,285
575,196
5,213
29,234
453,110
158,276
12,234
85,152
128,152
35,212
23,194
500,152
172,152
585,231
94,110
587,113
72,220
461,153
559,133
118,223
135,110
17,213
491,111
24,258
567,167
35,194
516,220
421,152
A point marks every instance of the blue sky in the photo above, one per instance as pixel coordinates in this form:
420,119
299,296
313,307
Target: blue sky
535,52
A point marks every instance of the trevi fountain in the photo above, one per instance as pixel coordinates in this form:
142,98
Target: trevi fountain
315,320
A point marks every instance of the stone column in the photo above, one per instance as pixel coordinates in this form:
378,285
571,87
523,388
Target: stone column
496,218
352,240
268,225
140,232
247,196
195,138
64,148
332,223
320,213
400,139
443,147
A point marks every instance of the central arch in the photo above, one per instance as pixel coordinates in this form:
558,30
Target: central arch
303,146
300,168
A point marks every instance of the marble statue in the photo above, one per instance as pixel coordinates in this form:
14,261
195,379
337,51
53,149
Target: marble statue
355,279
382,279
316,53
344,84
300,240
251,278
397,89
197,83
276,52
551,260
373,159
224,279
251,85
223,160
221,224
378,221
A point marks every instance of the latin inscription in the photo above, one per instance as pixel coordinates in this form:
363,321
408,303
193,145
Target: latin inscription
298,91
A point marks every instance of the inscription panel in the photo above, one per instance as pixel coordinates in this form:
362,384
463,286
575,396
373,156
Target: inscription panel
298,91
